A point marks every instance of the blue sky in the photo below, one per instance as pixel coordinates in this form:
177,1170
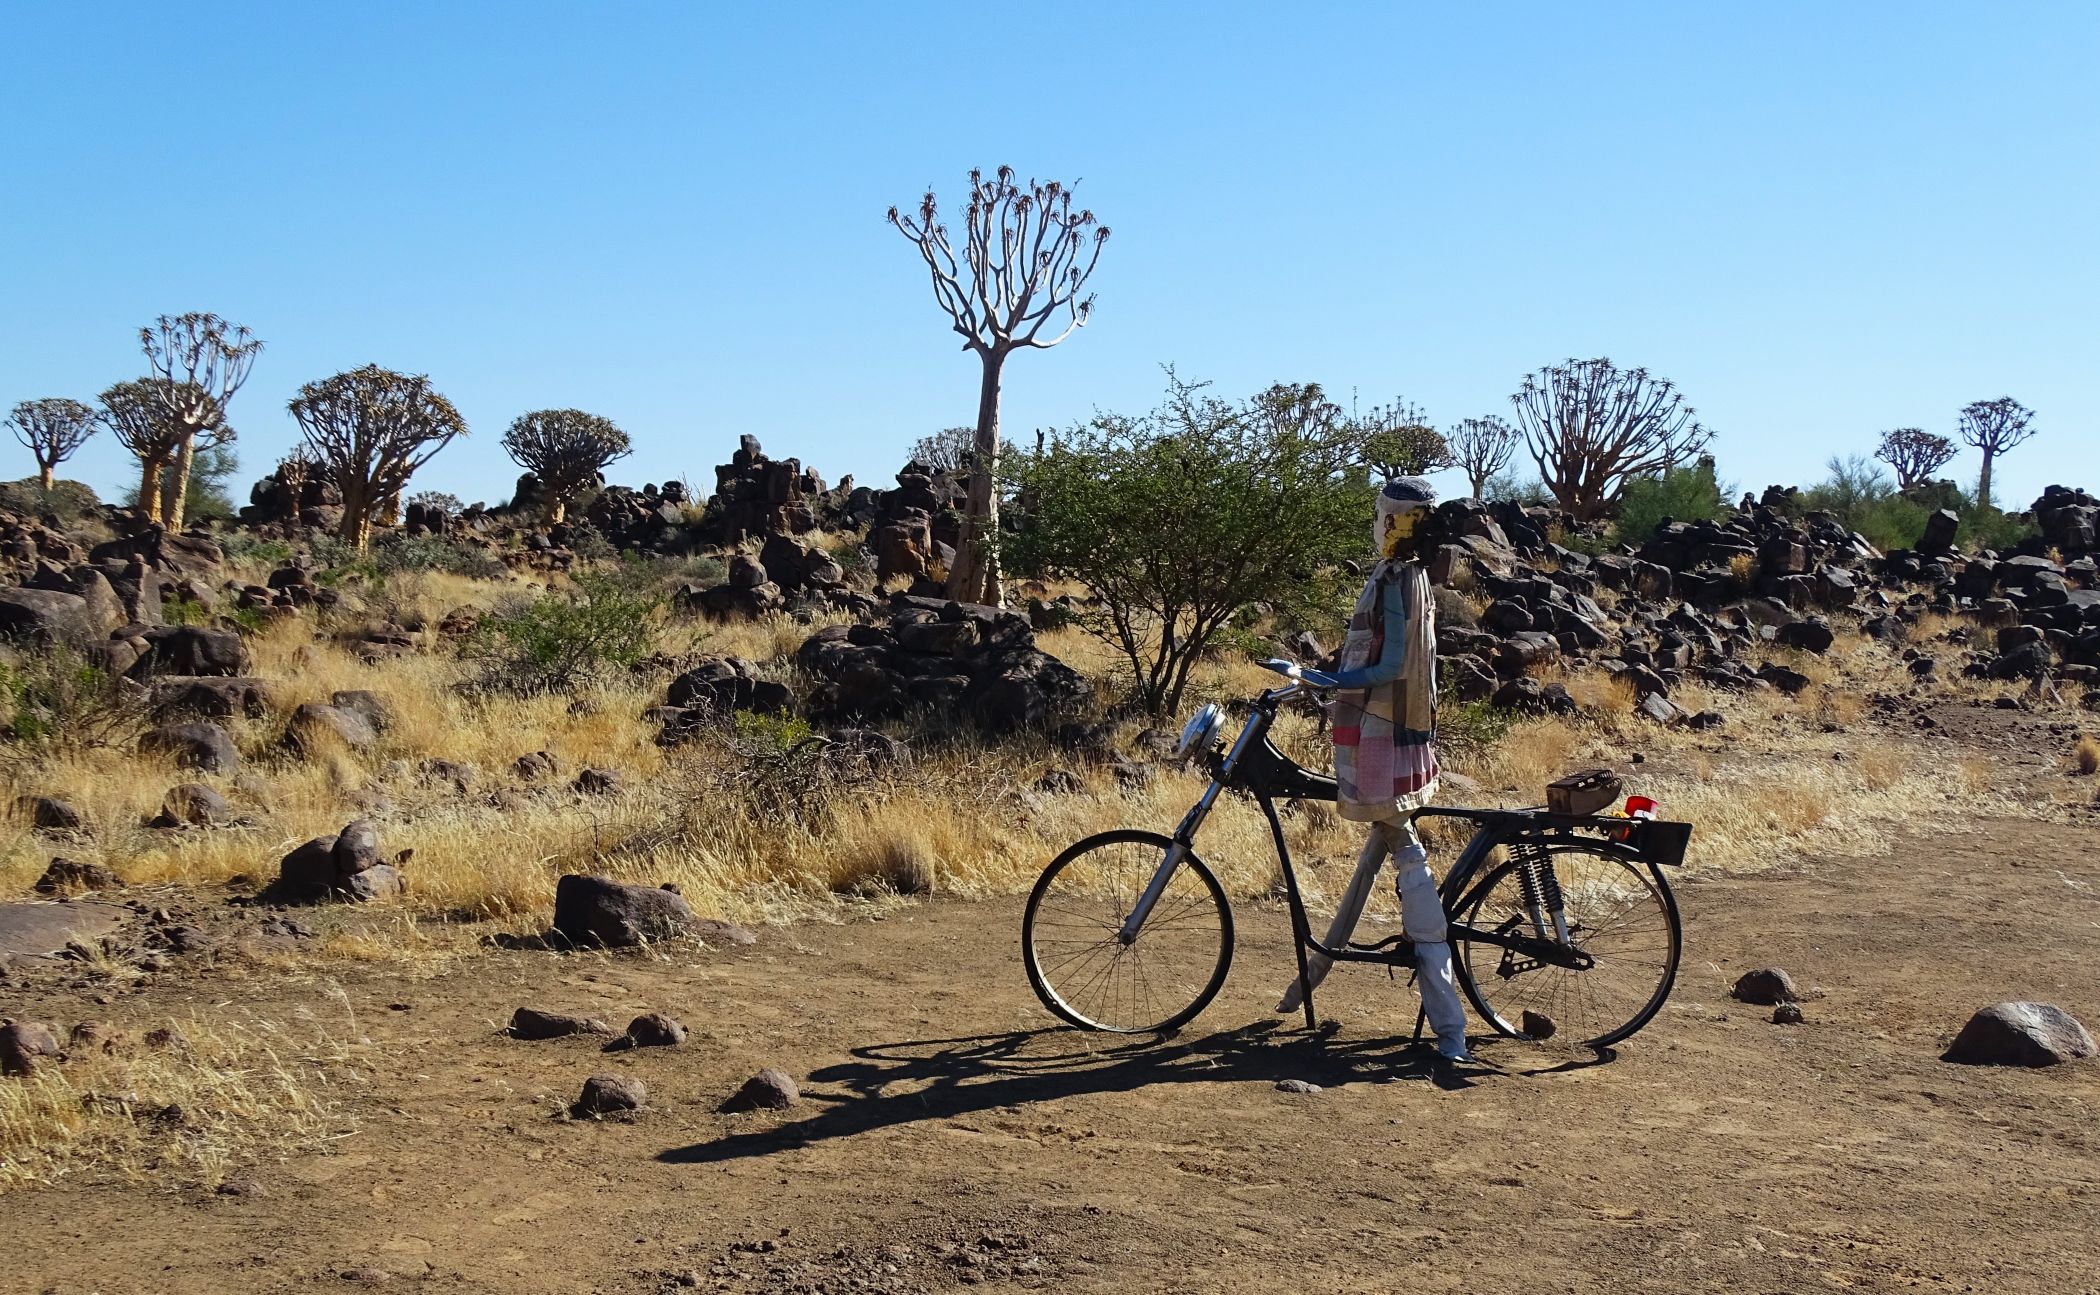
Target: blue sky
1820,220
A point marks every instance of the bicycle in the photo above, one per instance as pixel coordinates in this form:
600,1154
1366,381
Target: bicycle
1572,931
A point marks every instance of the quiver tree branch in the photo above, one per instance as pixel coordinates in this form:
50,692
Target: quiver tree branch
202,360
1024,263
369,430
1915,454
1994,426
566,449
1481,448
1592,427
51,430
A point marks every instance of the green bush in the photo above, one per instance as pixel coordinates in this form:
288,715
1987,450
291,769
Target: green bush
53,700
245,546
566,638
395,553
1678,494
1864,499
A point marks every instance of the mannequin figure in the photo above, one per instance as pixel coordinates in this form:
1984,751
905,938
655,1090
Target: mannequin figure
1384,727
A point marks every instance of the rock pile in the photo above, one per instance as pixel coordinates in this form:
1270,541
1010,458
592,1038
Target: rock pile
956,658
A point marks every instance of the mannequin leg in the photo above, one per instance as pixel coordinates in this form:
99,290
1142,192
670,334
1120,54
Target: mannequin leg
1422,917
1346,915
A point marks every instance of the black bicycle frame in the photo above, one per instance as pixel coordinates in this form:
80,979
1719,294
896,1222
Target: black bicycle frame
1256,767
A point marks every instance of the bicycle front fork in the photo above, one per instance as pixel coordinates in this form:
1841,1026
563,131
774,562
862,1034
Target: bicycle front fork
1184,835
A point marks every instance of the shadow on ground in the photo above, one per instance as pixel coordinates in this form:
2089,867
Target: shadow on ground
935,1079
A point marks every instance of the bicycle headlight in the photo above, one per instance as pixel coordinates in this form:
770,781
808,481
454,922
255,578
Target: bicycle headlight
1197,733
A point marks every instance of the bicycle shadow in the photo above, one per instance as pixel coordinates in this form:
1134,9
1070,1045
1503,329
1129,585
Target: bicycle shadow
937,1079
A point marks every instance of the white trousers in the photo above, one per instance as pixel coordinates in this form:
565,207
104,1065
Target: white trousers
1421,917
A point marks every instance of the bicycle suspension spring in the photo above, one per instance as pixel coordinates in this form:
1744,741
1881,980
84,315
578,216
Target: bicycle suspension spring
1540,888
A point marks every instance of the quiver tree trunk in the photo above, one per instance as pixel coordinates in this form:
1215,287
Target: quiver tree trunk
46,475
975,578
150,469
1983,482
175,484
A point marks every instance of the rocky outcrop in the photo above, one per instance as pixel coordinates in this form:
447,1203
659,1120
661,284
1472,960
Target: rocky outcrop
959,659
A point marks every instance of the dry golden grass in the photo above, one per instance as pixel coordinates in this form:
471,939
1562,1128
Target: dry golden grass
2085,755
217,1095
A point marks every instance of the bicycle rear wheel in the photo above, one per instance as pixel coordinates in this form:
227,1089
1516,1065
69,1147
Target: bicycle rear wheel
1619,912
1071,936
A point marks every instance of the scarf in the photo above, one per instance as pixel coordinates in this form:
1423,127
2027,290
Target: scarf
1383,757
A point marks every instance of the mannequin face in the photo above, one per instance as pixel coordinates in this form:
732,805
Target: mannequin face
1395,531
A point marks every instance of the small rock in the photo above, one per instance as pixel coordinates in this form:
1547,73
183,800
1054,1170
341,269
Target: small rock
536,767
599,782
1766,987
2020,1034
367,1276
652,1030
1536,1025
1296,1087
64,875
24,1045
50,814
1787,1014
242,1187
92,1036
531,1023
610,1095
768,1090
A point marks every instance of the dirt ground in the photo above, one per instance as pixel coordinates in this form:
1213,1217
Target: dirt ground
950,1136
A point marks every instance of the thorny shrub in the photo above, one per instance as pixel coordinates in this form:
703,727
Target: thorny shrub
565,638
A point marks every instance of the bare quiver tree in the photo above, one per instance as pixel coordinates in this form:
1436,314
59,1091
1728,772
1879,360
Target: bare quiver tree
1481,447
1915,454
369,430
51,430
201,360
566,449
139,414
1026,255
1592,427
1994,426
1399,442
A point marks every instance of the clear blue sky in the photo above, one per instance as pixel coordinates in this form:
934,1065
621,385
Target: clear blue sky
1821,220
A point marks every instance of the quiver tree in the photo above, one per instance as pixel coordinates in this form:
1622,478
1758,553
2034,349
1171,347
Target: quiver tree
566,449
1026,255
1481,447
947,450
1915,454
1994,426
368,431
1399,442
1592,427
141,416
51,430
201,361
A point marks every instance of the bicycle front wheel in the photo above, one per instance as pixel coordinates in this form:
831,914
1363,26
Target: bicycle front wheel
1619,912
1079,963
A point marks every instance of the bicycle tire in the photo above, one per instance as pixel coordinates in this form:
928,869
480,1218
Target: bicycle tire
1496,1011
1049,908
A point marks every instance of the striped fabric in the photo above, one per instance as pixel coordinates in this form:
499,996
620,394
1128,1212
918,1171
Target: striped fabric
1384,757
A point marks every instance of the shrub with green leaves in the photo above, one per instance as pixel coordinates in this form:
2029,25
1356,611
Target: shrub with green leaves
567,637
1690,494
53,700
396,552
1179,519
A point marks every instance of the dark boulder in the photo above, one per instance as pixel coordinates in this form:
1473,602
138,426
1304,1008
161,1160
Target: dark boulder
315,729
599,910
531,1023
47,617
768,1090
2020,1034
610,1095
1766,987
205,747
65,876
191,650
